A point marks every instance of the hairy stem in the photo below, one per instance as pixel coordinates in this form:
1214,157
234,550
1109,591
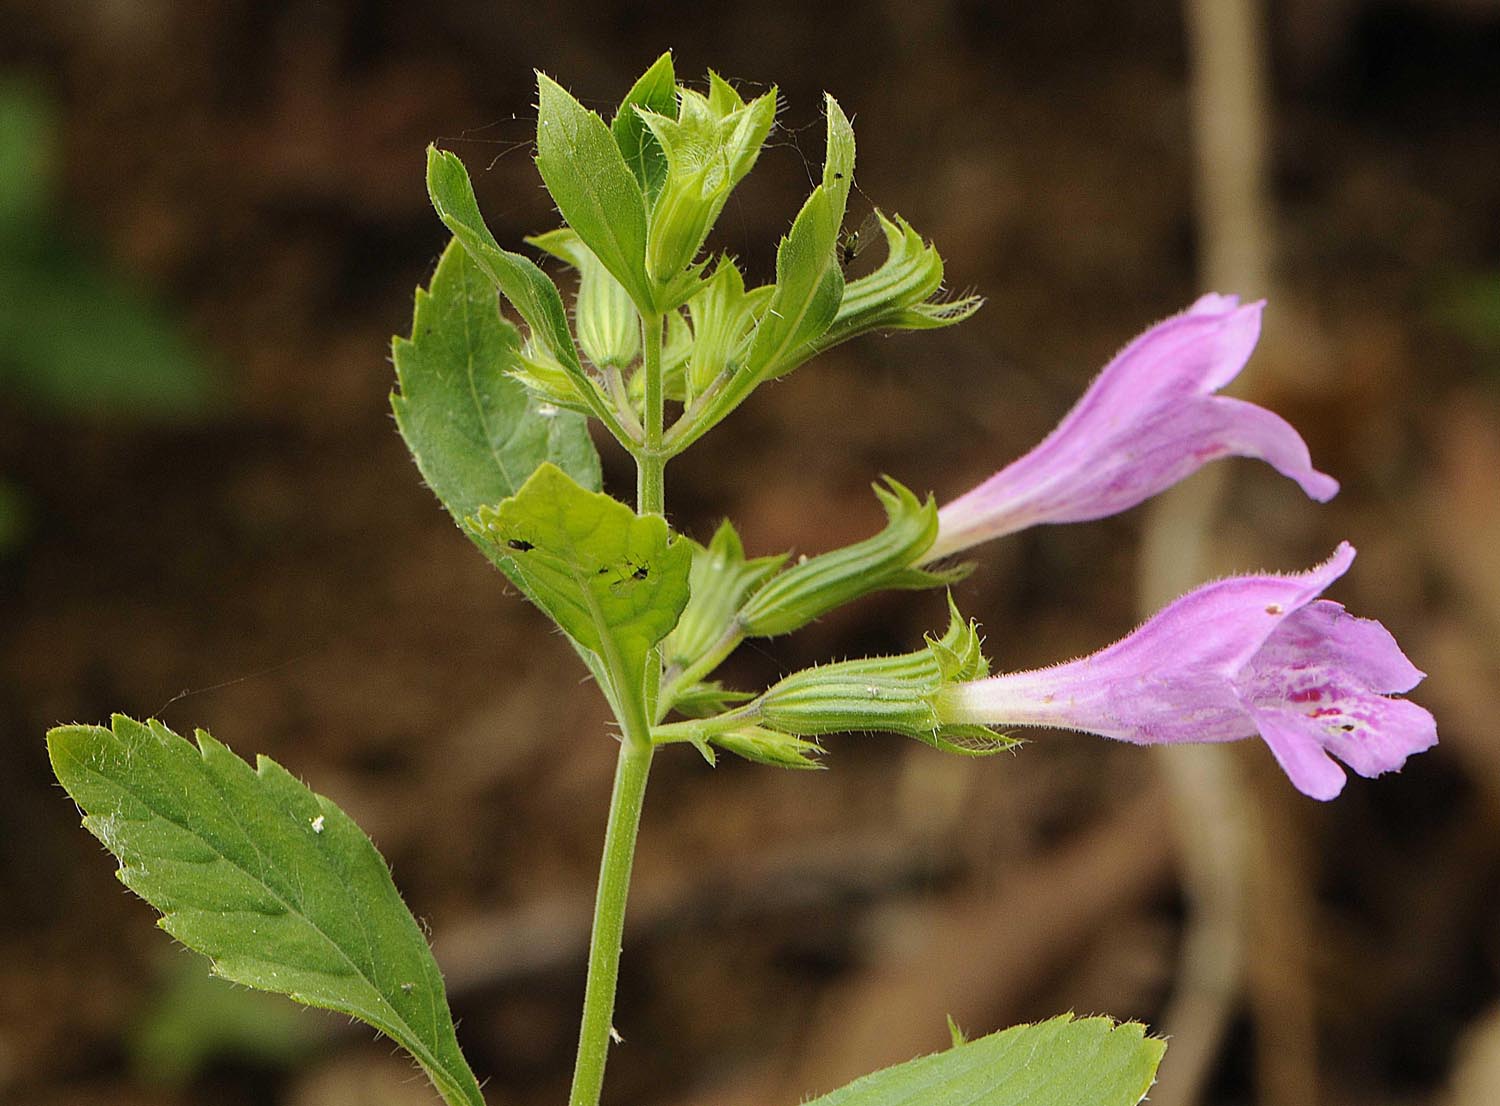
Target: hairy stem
631,772
651,461
609,921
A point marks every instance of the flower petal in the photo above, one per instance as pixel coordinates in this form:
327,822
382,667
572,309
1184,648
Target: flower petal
1174,679
1361,647
1311,770
1213,303
1323,675
1245,430
1223,624
1385,733
1147,421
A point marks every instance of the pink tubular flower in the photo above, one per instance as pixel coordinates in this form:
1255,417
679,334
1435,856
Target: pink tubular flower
1240,656
1147,421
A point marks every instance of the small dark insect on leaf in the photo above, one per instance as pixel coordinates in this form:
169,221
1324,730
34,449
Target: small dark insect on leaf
640,573
853,243
519,545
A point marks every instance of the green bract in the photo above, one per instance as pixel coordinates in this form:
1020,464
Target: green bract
518,278
656,91
614,581
269,880
601,199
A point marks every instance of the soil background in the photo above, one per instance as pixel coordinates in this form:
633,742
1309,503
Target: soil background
272,569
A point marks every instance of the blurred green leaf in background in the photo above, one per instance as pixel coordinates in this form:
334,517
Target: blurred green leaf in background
76,340
195,1019
74,337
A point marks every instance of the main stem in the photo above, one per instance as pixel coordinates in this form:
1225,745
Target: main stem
651,461
631,772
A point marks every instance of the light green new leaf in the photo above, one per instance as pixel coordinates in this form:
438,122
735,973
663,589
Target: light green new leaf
518,278
1061,1062
475,432
615,581
656,91
595,190
272,882
805,299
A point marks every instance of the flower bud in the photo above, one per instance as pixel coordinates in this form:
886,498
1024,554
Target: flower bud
604,317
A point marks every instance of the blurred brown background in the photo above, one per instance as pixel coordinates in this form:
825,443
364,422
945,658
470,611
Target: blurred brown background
235,538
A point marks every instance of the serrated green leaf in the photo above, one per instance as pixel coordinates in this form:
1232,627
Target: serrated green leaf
527,288
271,881
1061,1062
474,431
656,91
593,187
614,581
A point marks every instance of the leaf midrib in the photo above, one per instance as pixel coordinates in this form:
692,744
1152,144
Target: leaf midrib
470,373
430,1060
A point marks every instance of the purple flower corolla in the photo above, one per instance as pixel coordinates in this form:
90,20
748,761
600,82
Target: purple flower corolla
1147,421
1237,657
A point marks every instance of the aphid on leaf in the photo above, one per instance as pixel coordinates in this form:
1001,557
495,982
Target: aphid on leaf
626,572
519,545
852,243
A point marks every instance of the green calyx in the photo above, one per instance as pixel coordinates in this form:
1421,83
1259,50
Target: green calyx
887,694
721,581
724,316
608,328
817,585
901,294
